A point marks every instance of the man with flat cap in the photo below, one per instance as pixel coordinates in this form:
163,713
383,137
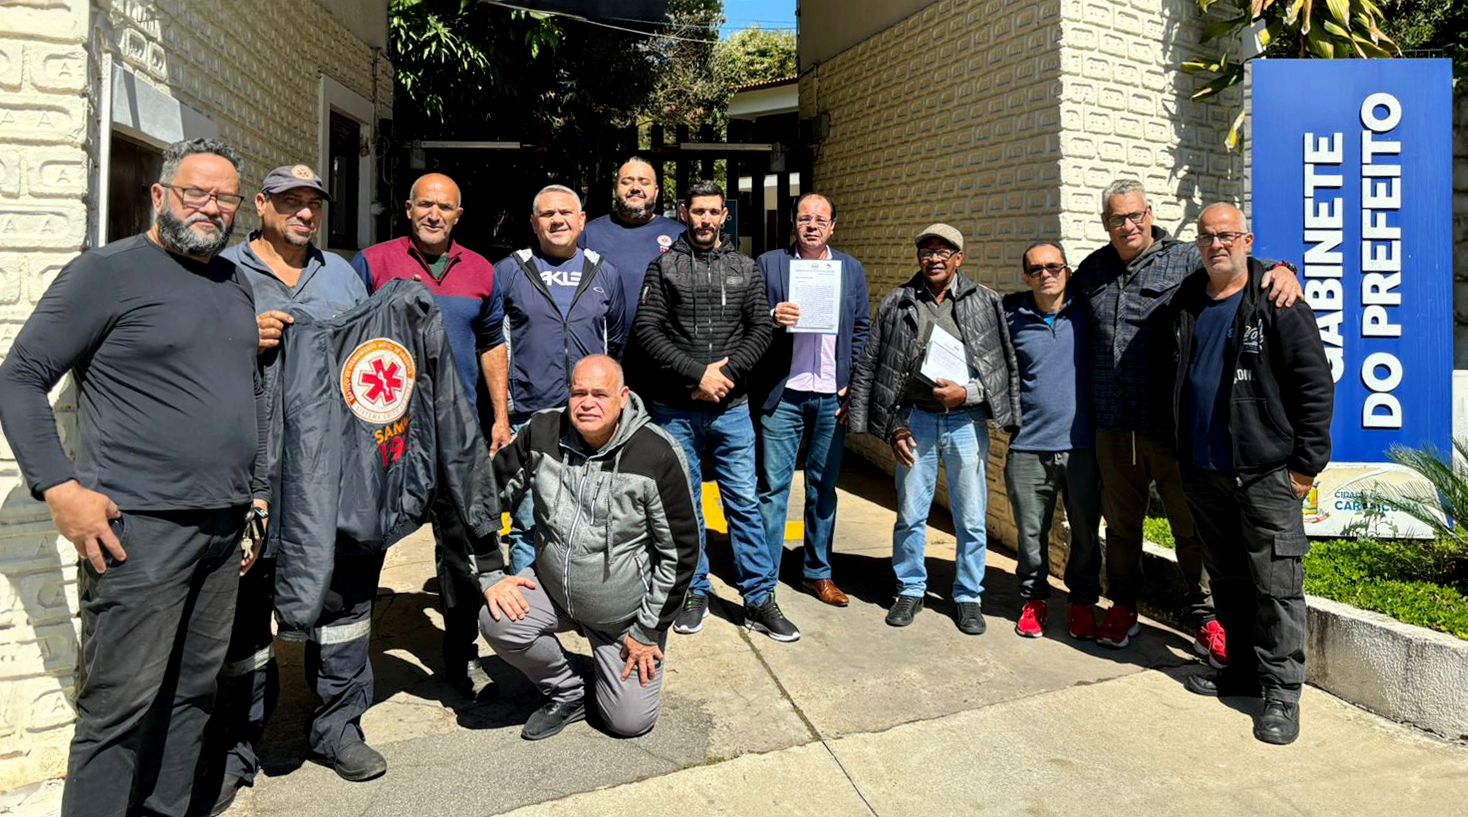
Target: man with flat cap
288,273
937,367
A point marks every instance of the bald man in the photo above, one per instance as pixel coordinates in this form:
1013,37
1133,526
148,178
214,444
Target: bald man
1252,400
601,458
463,284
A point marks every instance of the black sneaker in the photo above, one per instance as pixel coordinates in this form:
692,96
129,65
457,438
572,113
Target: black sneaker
358,761
971,618
903,610
690,618
1220,685
550,719
768,619
1280,723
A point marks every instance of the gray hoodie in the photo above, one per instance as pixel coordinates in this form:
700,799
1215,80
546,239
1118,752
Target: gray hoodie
616,535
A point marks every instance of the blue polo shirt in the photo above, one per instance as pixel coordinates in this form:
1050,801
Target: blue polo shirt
1054,398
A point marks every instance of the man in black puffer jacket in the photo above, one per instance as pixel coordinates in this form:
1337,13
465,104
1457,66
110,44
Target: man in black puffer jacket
926,417
704,322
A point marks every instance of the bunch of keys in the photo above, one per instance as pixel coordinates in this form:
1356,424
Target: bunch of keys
254,531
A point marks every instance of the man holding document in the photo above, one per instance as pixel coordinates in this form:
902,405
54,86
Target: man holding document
937,367
821,317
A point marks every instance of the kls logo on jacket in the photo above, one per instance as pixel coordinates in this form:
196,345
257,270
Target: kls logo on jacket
377,380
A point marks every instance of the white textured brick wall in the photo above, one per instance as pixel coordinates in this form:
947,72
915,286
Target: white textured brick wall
225,60
1006,120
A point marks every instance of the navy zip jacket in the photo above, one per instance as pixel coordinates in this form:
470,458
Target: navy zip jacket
545,344
374,422
856,321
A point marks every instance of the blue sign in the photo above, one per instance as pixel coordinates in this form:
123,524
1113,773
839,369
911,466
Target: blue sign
1352,180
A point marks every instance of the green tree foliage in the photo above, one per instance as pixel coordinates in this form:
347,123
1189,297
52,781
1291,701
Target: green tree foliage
1332,29
755,54
1430,28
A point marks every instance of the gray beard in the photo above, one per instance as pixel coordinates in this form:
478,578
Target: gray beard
636,215
178,238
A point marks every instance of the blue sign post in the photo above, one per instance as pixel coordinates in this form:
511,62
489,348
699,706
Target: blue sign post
1352,180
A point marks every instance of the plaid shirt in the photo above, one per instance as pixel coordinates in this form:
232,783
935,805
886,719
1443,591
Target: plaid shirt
1129,385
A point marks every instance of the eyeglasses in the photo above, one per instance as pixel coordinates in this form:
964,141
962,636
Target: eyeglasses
1226,239
933,252
819,221
1053,270
1114,222
196,197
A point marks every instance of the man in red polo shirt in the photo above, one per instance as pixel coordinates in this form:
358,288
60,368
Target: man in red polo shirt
462,282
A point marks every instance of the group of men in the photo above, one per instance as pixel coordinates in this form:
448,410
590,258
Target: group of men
1158,361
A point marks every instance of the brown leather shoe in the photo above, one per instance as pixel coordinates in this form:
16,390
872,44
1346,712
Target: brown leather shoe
827,591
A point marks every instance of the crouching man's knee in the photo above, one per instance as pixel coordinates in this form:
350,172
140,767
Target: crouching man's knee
629,724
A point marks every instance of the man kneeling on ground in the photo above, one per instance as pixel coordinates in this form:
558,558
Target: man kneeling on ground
616,542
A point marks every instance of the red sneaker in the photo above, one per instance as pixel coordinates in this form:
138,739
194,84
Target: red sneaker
1083,621
1118,628
1211,642
1032,619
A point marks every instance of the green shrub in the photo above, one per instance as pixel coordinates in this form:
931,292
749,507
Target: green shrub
1414,582
1384,576
1158,530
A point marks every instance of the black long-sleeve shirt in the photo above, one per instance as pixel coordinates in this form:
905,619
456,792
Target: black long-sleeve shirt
171,407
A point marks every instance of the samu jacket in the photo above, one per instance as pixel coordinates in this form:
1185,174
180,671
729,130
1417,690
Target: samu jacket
1281,396
699,307
616,535
544,344
894,351
374,421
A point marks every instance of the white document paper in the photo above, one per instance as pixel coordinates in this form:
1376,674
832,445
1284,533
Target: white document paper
945,359
815,287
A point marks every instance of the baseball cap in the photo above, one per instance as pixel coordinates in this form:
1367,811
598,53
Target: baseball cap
943,231
287,177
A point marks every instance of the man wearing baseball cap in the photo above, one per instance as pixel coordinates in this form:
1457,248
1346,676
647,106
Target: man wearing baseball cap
937,367
290,274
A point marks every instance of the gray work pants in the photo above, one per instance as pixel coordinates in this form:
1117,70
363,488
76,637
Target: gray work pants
530,645
1130,463
1254,540
1035,480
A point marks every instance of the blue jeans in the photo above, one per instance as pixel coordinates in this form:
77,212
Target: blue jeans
727,438
522,517
781,429
960,439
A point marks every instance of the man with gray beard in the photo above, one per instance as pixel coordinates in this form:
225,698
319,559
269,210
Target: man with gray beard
160,338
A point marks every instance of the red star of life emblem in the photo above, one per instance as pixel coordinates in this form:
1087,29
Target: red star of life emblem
383,380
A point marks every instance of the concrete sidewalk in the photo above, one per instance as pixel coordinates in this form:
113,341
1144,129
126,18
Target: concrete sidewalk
856,718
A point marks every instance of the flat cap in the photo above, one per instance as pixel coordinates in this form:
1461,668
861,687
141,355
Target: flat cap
943,231
289,177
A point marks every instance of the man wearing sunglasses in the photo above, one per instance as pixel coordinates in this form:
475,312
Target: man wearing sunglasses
1124,286
160,336
1054,451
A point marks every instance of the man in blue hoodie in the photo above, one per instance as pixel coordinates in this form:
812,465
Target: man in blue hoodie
562,303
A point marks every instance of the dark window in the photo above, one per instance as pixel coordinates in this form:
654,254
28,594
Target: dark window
344,172
133,170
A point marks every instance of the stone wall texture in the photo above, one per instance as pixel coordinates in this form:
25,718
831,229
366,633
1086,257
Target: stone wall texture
1006,120
222,59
